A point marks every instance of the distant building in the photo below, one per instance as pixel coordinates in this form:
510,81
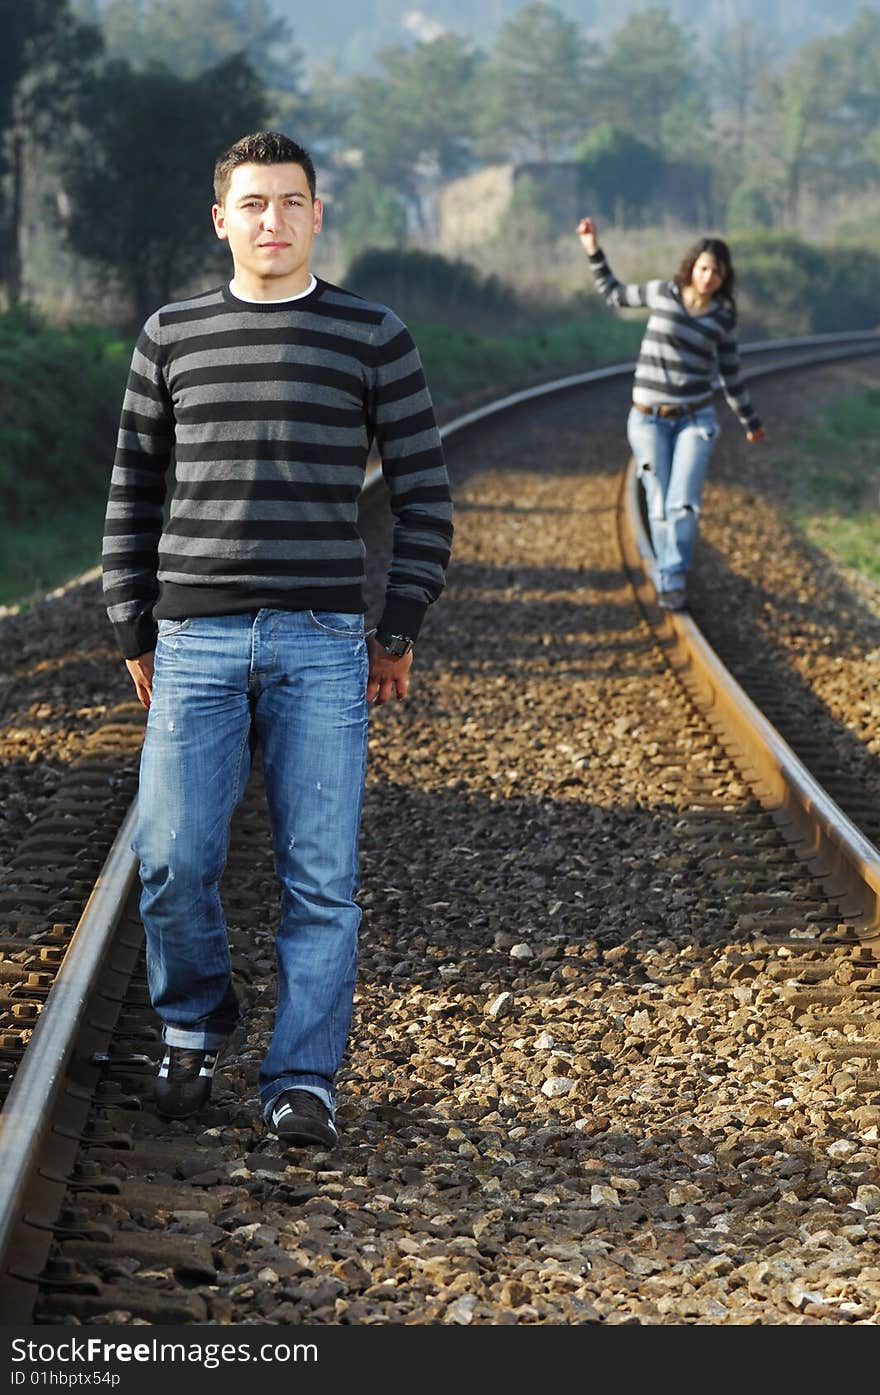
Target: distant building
472,208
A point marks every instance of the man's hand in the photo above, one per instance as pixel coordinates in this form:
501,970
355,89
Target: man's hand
388,677
754,436
141,670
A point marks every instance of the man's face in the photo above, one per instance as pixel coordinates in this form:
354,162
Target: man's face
270,220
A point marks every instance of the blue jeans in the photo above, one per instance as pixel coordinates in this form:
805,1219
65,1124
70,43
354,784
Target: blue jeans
672,456
296,682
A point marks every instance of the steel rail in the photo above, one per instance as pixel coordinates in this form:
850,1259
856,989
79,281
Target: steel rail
835,347
805,341
27,1112
825,837
28,1108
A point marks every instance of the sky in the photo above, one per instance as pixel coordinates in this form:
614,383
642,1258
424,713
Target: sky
352,31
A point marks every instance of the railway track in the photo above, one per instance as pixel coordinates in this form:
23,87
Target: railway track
787,894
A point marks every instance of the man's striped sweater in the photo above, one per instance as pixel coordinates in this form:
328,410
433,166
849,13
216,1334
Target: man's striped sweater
265,414
681,355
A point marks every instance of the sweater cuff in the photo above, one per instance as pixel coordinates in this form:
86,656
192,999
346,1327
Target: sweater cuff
136,637
402,616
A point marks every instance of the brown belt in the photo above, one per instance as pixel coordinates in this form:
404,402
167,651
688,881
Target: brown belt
667,409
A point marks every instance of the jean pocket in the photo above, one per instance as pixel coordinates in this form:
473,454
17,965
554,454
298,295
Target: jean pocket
338,622
169,628
706,422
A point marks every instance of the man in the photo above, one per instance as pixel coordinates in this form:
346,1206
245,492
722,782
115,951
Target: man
241,617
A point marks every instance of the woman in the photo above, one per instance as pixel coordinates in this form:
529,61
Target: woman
672,427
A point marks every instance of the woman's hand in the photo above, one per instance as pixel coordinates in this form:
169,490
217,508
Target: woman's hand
754,436
589,235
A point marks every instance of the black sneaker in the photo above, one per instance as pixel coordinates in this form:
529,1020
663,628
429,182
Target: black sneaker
673,599
299,1117
183,1084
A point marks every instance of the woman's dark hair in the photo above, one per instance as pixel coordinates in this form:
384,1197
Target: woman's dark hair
721,252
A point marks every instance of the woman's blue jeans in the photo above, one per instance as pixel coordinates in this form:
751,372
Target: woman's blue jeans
296,682
672,456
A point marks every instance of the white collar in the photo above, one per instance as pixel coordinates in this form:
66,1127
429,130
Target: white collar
250,300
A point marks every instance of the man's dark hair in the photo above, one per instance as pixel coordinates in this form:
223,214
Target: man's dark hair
261,148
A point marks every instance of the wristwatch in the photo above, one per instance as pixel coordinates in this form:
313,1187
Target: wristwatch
396,645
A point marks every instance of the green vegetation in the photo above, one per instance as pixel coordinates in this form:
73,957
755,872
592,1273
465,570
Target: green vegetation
790,287
60,390
748,209
40,556
427,286
368,201
834,482
618,171
715,128
462,364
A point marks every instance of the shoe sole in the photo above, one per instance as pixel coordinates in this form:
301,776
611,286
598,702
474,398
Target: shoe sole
301,1139
169,1112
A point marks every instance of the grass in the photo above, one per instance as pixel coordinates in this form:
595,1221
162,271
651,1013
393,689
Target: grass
37,557
61,391
72,378
459,365
833,482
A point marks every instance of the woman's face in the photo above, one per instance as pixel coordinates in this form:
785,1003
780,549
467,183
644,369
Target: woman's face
707,274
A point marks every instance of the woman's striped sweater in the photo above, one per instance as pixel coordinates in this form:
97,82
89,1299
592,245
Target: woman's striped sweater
681,355
264,413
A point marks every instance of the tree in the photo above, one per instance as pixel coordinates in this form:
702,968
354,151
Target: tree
747,209
619,170
741,60
821,117
415,121
139,172
190,36
860,53
853,111
797,106
533,87
44,54
648,84
527,221
317,118
368,214
799,88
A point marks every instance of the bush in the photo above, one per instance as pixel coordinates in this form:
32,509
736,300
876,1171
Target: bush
527,220
426,286
367,203
749,208
789,287
461,365
61,391
618,170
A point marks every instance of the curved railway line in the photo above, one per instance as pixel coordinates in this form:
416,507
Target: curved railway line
616,1047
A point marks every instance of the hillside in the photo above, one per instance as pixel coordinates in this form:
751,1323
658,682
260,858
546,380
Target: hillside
351,31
